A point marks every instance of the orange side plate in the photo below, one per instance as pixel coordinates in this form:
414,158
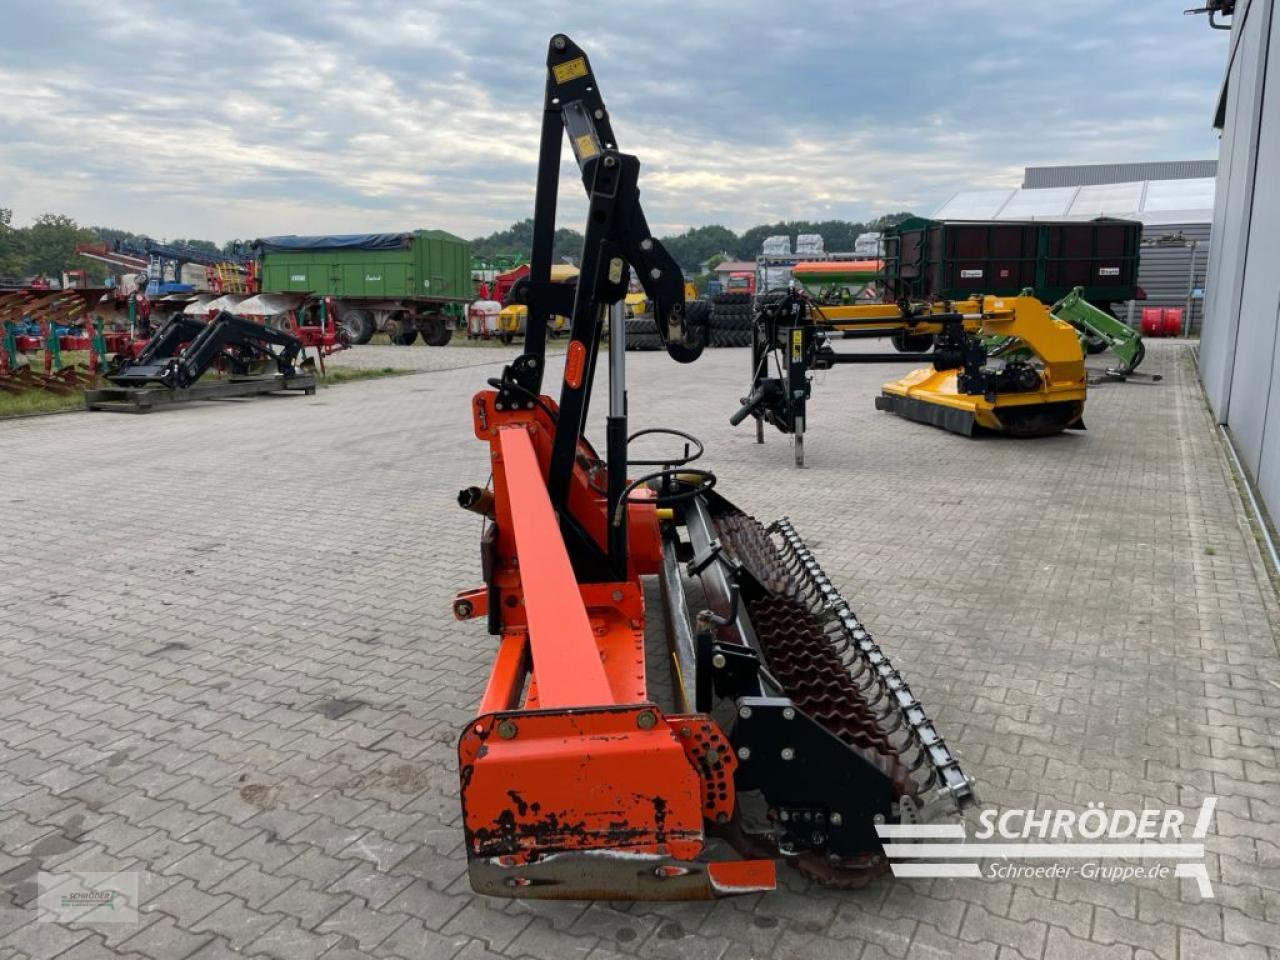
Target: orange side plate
574,786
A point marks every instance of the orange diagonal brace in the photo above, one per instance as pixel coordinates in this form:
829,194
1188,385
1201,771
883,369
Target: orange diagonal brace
566,660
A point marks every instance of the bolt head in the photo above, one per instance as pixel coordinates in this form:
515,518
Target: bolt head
788,753
655,273
646,720
610,161
462,609
507,729
744,753
788,713
836,819
718,661
646,244
744,713
559,42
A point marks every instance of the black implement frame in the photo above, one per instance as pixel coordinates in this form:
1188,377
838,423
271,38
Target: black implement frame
242,342
790,332
617,240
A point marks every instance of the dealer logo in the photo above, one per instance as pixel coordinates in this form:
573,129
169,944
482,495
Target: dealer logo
1019,843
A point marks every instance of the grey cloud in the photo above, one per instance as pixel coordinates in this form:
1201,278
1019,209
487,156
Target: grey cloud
240,118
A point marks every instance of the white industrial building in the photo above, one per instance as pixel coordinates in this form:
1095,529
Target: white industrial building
1172,199
1238,348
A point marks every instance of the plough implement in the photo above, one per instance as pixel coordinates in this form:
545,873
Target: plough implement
789,733
49,322
1037,391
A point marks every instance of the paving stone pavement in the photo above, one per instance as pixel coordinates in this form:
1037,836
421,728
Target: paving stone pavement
459,353
227,664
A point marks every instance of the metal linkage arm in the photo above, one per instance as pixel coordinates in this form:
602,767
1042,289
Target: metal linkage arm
252,340
243,341
164,343
617,241
573,105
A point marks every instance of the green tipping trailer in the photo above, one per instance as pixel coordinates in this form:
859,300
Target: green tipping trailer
403,284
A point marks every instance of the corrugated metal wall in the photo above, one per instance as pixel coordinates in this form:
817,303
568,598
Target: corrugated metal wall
1084,175
1238,355
1165,272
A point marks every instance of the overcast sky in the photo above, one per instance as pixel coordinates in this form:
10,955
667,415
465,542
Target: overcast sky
242,119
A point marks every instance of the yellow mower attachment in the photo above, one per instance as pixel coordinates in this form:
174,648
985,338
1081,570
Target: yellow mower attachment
1024,400
1037,392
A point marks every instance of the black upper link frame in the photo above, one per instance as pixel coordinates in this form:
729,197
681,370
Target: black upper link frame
617,241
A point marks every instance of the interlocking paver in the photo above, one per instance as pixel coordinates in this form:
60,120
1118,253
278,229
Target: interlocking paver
41,941
237,923
253,886
165,939
260,715
308,905
185,902
288,941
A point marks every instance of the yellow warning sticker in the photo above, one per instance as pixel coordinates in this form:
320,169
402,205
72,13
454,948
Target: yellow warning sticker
585,146
797,345
570,70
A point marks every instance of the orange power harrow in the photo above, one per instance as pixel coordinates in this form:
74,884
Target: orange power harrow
784,733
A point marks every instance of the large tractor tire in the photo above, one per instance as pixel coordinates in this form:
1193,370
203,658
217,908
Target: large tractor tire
730,338
698,318
642,334
737,320
358,324
402,332
732,300
435,331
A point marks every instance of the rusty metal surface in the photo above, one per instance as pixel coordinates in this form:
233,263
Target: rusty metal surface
617,875
535,783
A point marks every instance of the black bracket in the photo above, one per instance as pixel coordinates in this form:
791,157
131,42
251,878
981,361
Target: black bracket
802,768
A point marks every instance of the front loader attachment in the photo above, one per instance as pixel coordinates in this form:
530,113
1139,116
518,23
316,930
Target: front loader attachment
1099,326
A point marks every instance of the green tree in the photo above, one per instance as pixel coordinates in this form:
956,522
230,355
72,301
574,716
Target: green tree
517,241
12,254
51,247
205,246
698,244
889,220
112,235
